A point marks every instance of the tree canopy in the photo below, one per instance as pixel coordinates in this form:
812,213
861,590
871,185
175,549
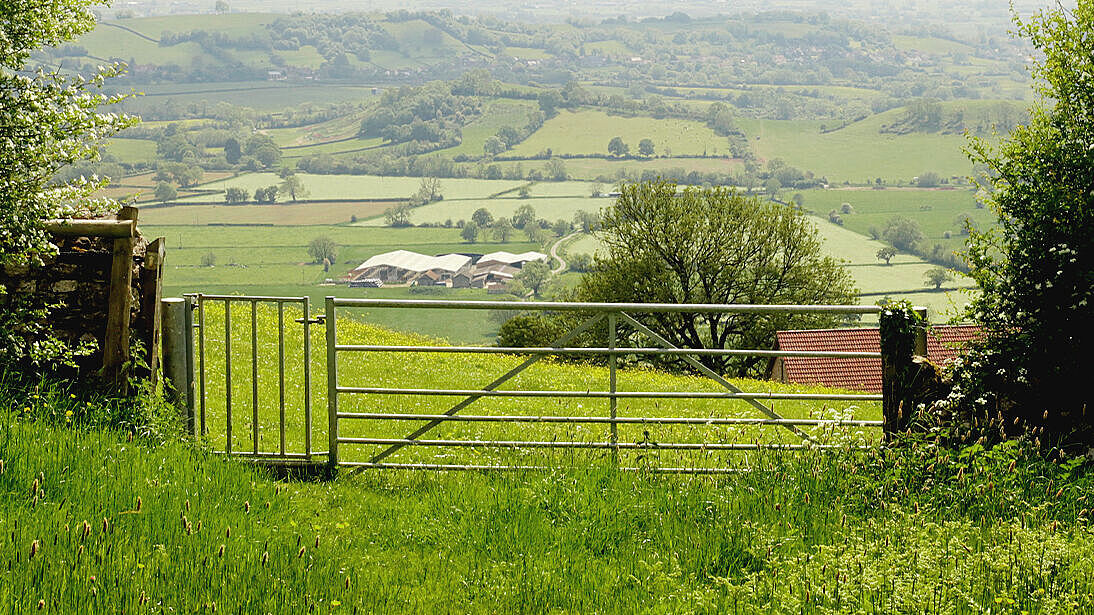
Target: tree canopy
713,246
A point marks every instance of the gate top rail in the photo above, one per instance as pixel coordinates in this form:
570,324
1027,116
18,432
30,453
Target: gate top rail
247,298
704,308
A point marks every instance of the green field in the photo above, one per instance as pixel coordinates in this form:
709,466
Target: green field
284,214
93,519
355,187
273,261
936,211
131,150
588,132
593,168
496,114
858,153
345,127
904,279
262,96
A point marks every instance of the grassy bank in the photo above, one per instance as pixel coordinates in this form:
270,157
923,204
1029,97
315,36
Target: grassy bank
170,528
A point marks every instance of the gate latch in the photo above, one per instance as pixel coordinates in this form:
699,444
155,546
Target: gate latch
318,320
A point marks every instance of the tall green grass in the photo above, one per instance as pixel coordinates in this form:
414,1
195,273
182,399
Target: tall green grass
172,528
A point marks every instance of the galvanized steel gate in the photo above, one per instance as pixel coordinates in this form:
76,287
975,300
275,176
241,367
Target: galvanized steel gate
298,411
596,314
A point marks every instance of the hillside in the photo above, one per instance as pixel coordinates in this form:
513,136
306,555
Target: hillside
115,522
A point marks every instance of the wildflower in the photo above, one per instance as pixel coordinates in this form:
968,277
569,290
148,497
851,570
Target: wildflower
41,604
68,415
335,603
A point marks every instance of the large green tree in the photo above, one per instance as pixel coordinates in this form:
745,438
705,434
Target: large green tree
714,246
48,119
1036,272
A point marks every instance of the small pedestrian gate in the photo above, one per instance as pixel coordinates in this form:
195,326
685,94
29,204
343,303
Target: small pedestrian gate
218,400
274,409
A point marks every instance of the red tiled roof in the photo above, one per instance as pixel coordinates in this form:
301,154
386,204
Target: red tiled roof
943,345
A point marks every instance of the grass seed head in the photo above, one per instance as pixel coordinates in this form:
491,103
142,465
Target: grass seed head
139,503
300,553
265,557
187,505
34,488
1,466
220,551
228,532
34,548
246,506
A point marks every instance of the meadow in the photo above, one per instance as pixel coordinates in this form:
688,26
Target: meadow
284,214
857,153
937,212
551,208
93,519
370,187
588,132
273,261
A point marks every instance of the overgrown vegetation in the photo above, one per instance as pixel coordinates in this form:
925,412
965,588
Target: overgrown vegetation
48,119
1036,273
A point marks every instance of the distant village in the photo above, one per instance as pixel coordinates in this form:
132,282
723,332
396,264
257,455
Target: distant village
493,271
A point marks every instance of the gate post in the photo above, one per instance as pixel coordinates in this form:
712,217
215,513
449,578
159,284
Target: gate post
903,336
332,388
176,358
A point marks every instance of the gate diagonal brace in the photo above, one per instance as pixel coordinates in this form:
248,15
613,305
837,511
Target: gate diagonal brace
558,343
709,373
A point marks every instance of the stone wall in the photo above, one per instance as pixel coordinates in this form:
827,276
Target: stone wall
77,280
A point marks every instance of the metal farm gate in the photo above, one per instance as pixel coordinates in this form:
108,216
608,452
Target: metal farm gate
247,392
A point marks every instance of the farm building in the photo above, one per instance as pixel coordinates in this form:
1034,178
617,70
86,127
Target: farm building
944,343
493,277
406,267
509,259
